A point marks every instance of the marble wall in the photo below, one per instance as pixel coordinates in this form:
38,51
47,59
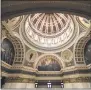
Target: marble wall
32,85
77,85
18,85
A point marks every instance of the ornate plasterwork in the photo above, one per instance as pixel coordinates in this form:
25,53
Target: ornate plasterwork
49,32
85,23
14,22
19,49
79,49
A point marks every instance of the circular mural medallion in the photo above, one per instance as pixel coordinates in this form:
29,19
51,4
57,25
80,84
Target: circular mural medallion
31,55
67,55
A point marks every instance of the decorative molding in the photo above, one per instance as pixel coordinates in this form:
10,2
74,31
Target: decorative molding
79,49
14,22
4,64
23,73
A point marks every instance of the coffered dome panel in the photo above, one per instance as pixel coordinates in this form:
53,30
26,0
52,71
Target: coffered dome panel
48,23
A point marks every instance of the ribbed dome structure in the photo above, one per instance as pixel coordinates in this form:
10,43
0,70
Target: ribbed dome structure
49,23
49,31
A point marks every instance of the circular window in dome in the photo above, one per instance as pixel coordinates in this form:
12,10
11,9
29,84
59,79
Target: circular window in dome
49,31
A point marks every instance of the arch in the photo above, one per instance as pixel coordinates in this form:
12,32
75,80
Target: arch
19,49
59,59
79,49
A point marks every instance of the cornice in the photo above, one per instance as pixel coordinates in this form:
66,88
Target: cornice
72,79
22,73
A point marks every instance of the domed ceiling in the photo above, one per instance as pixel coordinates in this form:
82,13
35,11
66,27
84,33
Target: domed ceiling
48,24
50,32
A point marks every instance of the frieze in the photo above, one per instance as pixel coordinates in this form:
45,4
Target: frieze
68,80
18,79
87,71
76,80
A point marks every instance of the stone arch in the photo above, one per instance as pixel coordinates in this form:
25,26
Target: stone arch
79,49
59,60
19,49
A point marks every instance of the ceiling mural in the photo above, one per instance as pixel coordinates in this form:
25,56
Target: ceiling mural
87,52
48,63
7,51
30,58
31,55
67,55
